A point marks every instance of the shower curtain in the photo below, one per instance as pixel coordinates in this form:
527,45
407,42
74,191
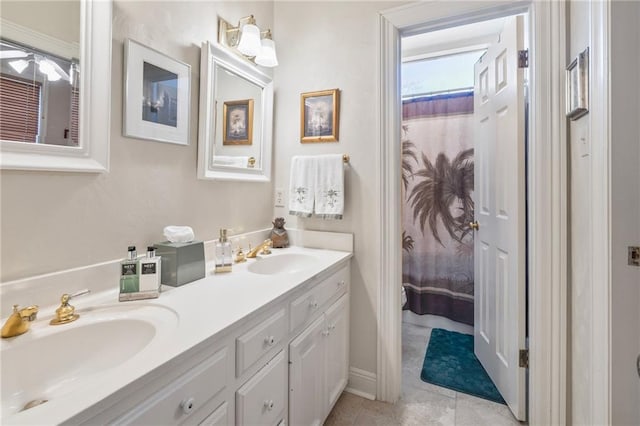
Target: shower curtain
437,177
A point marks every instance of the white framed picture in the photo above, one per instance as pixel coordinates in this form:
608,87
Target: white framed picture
156,95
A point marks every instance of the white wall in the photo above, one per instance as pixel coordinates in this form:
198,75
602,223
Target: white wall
53,221
60,19
327,45
625,211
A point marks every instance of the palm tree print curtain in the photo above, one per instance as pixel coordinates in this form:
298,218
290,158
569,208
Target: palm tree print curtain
437,164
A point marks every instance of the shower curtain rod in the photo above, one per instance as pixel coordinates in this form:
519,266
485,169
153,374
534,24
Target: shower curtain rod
438,92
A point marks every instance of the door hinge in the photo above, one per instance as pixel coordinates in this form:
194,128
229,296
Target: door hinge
523,58
524,358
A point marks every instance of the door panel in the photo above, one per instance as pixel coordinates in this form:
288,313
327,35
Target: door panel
306,376
500,308
337,348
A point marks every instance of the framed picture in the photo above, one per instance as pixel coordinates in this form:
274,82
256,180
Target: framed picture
319,116
237,122
578,86
156,95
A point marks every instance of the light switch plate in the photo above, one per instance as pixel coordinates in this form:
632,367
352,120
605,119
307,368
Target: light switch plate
279,197
634,256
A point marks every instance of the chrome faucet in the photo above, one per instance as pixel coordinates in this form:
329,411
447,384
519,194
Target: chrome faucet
19,321
263,248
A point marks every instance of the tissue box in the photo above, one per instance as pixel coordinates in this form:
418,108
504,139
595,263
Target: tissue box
181,262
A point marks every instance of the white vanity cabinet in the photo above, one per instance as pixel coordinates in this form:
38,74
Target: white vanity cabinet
318,365
284,363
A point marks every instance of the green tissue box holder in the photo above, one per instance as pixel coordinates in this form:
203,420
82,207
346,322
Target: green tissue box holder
182,263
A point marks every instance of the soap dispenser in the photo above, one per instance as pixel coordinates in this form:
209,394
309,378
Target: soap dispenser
129,278
150,271
224,258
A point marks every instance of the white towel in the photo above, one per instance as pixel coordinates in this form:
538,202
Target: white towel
231,161
301,186
329,186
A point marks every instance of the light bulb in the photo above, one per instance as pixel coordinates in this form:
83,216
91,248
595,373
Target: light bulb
53,76
250,40
45,67
19,65
267,56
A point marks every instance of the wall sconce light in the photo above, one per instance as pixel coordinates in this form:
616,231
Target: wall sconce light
248,40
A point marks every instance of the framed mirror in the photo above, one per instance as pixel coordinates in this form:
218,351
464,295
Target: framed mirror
55,57
236,118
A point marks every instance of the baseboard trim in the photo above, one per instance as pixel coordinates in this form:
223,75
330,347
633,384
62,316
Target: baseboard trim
362,383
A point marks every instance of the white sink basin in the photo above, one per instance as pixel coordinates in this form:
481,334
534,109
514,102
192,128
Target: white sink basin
49,361
287,263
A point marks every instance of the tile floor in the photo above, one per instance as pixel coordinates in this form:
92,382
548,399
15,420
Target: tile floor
420,403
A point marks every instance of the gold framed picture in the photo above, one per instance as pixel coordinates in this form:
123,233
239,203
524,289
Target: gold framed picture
319,116
237,122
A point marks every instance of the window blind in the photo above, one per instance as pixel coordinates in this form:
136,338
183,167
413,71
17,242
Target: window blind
19,109
75,106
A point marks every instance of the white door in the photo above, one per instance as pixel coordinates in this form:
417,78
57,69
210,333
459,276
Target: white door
306,376
337,349
500,306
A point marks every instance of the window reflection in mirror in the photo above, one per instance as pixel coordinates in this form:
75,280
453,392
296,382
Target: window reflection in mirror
39,72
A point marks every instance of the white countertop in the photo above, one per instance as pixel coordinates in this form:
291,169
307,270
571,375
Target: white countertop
203,310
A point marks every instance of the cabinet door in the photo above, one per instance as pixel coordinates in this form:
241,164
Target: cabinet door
306,376
263,399
337,349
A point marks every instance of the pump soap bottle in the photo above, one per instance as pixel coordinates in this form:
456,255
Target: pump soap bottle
150,273
224,259
129,280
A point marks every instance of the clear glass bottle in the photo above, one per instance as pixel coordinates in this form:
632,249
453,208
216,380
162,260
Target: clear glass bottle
150,271
129,280
224,259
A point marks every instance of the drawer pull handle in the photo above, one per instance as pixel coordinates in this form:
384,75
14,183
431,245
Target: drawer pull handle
269,340
340,283
269,404
188,405
313,304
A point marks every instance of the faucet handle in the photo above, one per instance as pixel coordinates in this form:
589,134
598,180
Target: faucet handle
80,293
67,313
265,246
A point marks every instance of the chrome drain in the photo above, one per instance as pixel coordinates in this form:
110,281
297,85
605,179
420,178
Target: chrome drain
33,403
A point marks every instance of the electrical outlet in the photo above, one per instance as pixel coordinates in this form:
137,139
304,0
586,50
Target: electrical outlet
279,197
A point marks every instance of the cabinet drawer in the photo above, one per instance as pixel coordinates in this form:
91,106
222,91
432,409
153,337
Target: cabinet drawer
219,417
255,343
263,399
306,306
185,396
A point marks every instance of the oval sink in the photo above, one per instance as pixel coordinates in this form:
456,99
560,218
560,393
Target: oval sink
46,362
287,263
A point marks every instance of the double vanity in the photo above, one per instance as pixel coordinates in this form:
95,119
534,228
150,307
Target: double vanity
265,344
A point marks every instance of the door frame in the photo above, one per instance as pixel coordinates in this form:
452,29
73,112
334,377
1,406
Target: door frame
547,192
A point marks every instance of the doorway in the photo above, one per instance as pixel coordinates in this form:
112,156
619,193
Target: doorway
547,259
445,75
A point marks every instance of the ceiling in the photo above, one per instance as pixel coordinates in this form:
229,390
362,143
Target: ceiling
451,40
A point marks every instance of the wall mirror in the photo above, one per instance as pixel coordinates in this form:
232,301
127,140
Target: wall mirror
55,63
236,114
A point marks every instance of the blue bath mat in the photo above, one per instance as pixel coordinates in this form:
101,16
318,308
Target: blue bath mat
451,363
